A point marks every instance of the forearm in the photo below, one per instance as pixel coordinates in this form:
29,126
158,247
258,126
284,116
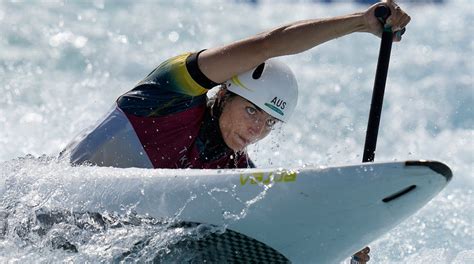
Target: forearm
303,35
220,64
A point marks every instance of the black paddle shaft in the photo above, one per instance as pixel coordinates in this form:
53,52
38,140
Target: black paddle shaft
382,13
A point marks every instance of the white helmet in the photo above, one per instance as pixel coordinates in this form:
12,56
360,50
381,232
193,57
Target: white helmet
271,86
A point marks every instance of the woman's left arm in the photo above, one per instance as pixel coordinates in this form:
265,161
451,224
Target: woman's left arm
221,63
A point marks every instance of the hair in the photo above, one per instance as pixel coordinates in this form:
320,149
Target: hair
217,102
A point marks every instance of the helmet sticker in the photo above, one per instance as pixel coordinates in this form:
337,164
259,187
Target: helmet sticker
274,108
237,82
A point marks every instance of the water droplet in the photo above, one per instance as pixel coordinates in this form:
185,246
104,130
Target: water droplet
173,36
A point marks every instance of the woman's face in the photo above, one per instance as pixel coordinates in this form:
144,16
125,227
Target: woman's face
242,123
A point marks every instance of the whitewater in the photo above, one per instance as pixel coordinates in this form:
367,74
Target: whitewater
64,63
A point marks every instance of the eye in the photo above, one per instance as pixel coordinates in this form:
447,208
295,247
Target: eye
250,110
271,122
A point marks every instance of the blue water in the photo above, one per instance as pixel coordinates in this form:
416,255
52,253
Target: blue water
63,63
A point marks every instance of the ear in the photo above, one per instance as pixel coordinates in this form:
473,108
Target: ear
218,101
220,94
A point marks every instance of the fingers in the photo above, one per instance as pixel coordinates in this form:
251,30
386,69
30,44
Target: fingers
366,250
398,18
362,256
405,20
360,259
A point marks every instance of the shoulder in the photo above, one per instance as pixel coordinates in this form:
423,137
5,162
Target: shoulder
180,74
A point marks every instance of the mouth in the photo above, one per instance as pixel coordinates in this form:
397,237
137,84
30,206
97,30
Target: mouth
242,140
